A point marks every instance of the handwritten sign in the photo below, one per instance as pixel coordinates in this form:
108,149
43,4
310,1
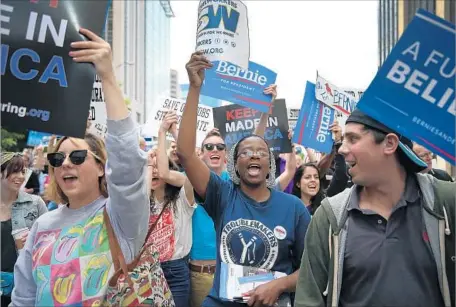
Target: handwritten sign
204,123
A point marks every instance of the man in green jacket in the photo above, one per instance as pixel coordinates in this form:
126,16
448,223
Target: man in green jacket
388,240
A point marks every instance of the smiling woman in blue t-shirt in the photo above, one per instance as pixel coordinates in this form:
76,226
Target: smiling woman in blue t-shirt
256,226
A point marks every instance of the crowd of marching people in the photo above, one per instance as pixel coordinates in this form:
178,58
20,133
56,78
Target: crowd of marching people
105,222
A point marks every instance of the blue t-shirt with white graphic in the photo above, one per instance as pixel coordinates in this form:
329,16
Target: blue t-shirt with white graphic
203,246
269,235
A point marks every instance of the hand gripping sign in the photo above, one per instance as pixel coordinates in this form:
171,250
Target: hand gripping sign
223,31
413,93
43,89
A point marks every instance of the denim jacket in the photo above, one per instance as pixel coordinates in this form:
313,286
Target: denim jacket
26,210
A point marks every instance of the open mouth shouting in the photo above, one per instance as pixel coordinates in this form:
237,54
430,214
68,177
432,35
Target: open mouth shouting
69,179
215,158
254,169
312,187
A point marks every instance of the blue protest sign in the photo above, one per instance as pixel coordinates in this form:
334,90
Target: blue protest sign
413,93
312,128
229,82
36,138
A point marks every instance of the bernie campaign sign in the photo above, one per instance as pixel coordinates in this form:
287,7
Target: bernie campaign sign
229,82
223,31
43,88
334,96
414,91
235,122
312,128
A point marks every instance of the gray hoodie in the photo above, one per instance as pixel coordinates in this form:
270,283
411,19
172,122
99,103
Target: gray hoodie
66,260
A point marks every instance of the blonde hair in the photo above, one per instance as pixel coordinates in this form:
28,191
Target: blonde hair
97,146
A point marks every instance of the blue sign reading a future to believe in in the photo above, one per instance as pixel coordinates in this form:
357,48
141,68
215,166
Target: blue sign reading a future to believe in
229,82
312,129
414,91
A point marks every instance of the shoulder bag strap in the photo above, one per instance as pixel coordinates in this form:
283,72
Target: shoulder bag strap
118,258
154,225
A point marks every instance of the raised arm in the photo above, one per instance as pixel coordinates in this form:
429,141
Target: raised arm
169,176
128,204
289,172
326,161
261,127
197,172
311,155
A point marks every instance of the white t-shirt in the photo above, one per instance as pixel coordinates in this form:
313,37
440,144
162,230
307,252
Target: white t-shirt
172,236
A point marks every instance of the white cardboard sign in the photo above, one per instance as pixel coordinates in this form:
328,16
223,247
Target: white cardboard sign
223,31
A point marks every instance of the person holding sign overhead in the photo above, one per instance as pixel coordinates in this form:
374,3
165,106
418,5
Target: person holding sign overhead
256,226
67,260
172,204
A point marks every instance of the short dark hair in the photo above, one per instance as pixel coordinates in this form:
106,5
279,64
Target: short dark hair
210,134
378,135
236,148
15,165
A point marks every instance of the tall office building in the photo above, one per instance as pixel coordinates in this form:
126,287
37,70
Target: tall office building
139,34
395,15
393,18
174,91
387,27
157,50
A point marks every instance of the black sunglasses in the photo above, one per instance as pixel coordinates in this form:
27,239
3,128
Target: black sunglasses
210,147
77,157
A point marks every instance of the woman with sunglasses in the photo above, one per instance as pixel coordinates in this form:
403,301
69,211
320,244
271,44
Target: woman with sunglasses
256,225
67,260
18,212
172,193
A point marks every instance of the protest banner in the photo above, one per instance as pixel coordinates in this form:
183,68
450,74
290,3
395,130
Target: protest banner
36,138
354,92
228,82
43,88
235,122
204,120
312,128
97,112
334,96
413,93
223,31
293,115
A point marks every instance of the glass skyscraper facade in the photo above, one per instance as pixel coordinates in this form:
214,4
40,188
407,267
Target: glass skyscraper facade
387,27
157,52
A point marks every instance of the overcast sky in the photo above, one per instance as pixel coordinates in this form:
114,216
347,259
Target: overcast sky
295,39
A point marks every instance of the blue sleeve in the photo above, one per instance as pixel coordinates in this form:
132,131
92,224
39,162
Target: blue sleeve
301,224
217,195
128,203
